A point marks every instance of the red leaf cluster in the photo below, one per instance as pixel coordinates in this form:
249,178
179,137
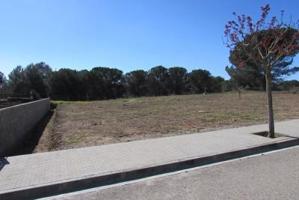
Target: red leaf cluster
262,42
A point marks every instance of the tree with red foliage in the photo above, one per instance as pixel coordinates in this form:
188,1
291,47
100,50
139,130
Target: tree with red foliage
263,43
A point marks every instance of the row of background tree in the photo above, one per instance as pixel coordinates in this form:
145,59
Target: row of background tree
108,83
39,80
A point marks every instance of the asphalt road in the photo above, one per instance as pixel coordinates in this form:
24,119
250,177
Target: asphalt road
270,176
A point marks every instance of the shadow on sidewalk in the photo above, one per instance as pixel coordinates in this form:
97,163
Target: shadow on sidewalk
3,162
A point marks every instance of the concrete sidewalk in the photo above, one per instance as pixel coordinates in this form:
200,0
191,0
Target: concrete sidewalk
43,172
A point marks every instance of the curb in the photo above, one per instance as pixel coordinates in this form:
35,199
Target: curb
102,180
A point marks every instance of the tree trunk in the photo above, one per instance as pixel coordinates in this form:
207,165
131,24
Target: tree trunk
271,133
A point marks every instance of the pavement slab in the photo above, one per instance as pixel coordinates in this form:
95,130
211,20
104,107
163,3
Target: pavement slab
46,169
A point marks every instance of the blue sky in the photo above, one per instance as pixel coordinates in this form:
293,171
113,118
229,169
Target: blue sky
126,34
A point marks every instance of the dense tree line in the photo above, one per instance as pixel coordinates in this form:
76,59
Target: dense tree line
1,79
34,80
38,80
252,75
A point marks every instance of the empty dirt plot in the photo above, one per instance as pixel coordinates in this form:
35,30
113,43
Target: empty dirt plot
80,124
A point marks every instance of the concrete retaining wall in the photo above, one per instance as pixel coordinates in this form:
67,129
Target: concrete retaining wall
17,121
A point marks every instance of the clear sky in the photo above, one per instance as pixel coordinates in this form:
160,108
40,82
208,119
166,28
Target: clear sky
126,34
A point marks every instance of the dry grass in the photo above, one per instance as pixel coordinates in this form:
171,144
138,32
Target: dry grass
80,124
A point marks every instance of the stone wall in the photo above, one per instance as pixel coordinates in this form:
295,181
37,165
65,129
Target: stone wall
17,121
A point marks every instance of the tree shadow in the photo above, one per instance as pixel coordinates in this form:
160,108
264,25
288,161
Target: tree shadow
32,138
